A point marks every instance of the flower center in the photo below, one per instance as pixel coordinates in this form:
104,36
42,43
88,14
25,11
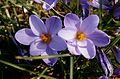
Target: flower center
46,38
90,1
80,36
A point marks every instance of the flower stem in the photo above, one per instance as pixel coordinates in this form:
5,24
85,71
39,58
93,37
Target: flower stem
41,57
71,67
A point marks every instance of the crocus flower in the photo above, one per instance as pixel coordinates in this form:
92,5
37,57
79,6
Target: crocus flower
104,62
42,37
49,4
116,51
83,35
96,3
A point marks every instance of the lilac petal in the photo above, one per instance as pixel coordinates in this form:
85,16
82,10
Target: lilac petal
37,25
88,51
103,77
89,24
38,1
96,4
105,64
48,4
37,48
50,61
99,38
25,36
116,52
58,43
53,24
71,20
67,33
82,43
73,49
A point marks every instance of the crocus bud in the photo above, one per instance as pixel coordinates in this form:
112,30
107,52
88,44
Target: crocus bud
104,62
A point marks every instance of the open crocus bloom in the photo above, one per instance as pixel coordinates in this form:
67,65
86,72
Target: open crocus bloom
42,37
83,35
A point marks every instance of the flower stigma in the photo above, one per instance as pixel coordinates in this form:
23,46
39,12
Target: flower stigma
90,1
80,36
46,38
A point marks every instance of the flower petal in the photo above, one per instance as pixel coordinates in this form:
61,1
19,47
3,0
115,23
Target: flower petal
37,48
104,62
73,49
53,24
89,24
103,77
99,38
70,20
48,4
37,25
49,61
116,51
67,33
58,43
25,36
38,1
88,51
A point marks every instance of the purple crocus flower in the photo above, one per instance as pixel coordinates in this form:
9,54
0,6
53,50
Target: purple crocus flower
104,62
96,3
42,37
116,51
49,4
83,35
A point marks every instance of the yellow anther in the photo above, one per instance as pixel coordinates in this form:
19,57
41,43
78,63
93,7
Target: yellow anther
90,1
80,36
46,38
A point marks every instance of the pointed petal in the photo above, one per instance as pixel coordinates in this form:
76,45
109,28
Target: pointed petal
116,52
58,43
25,36
50,61
67,33
37,48
105,64
38,1
53,24
37,25
73,49
89,24
70,20
103,77
99,38
88,51
48,4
